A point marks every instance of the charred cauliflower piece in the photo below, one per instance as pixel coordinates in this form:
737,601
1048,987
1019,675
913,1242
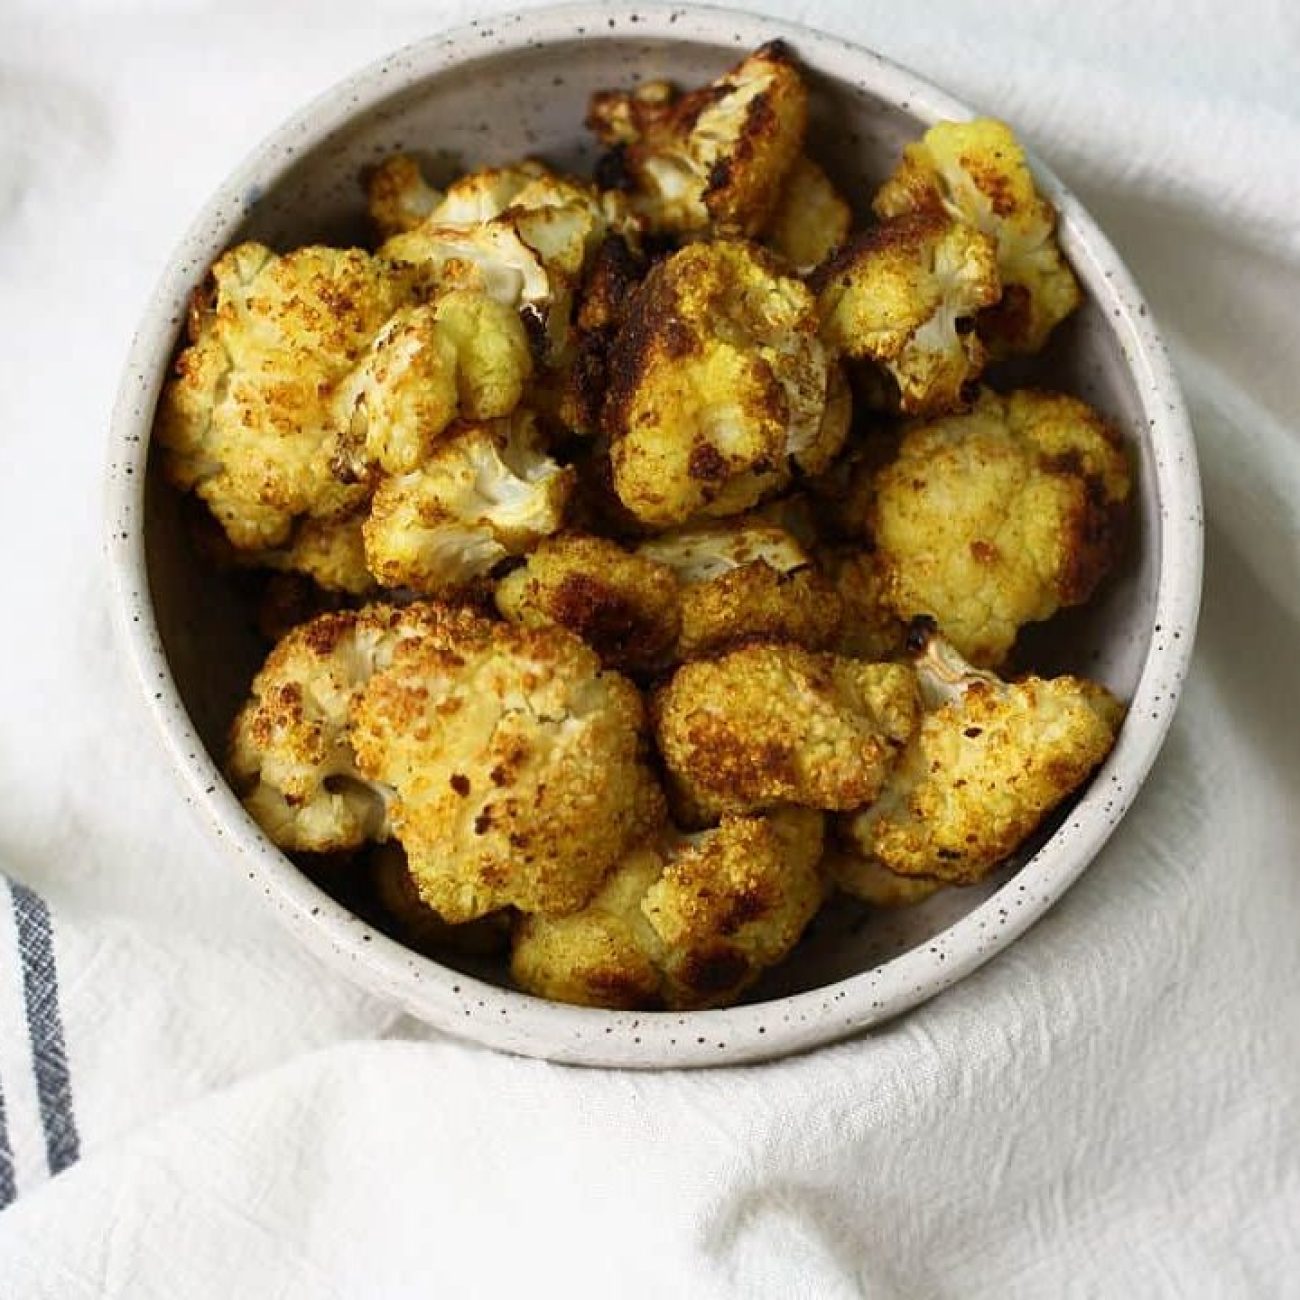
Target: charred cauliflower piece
811,220
247,420
977,172
291,757
398,197
713,159
745,580
487,491
462,356
869,629
766,725
718,384
989,761
626,607
517,766
866,879
905,295
998,518
687,924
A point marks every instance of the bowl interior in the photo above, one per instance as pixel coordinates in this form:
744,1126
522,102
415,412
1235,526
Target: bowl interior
503,105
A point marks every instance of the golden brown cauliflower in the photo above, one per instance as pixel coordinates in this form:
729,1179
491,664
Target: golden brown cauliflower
905,295
718,384
713,159
811,219
397,195
329,551
998,518
291,757
517,766
488,490
686,923
247,421
463,356
745,580
869,629
989,761
626,607
977,172
766,725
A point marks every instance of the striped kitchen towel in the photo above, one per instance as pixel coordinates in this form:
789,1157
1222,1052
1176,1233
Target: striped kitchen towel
38,1124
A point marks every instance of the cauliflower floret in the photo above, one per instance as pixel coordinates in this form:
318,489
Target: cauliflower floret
331,552
977,172
626,607
683,924
868,628
989,761
905,296
518,767
246,422
811,219
713,159
998,518
462,356
744,580
866,879
718,382
398,197
291,757
766,724
488,490
417,924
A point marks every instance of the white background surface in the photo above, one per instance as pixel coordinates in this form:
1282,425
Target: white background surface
1112,1107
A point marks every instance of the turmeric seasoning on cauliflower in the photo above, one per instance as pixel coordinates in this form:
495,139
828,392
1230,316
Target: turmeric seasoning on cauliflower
684,923
488,490
517,766
718,386
905,295
977,172
291,758
998,518
772,724
713,159
625,606
398,197
811,219
745,580
988,762
246,422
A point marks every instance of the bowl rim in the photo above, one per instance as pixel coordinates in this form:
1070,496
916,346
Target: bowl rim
504,1018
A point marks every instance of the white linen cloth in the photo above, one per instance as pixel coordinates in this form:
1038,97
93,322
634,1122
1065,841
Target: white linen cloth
1110,1108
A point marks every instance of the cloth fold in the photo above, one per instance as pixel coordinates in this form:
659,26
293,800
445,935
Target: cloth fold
1107,1108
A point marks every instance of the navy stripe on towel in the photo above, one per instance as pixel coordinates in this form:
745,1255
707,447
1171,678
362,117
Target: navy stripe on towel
45,1025
6,1158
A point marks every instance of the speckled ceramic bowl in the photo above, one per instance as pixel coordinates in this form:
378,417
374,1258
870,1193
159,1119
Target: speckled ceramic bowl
516,86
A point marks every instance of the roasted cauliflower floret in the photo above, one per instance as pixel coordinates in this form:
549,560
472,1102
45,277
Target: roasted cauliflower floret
998,518
291,757
687,923
626,607
517,766
331,552
977,172
989,761
766,725
710,160
718,384
869,629
905,296
247,420
488,490
744,580
417,924
811,219
462,356
398,197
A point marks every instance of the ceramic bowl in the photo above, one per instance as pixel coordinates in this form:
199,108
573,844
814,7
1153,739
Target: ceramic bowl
517,86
